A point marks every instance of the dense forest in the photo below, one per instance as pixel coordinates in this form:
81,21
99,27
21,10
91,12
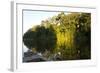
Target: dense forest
61,37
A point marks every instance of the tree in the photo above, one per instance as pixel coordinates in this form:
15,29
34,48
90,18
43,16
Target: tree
46,39
41,39
83,36
29,39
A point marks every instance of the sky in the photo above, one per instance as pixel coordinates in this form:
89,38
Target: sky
32,18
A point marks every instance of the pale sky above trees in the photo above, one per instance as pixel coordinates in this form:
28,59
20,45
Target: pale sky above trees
31,18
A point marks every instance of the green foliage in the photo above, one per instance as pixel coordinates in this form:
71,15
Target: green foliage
46,39
69,34
41,38
29,39
83,36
